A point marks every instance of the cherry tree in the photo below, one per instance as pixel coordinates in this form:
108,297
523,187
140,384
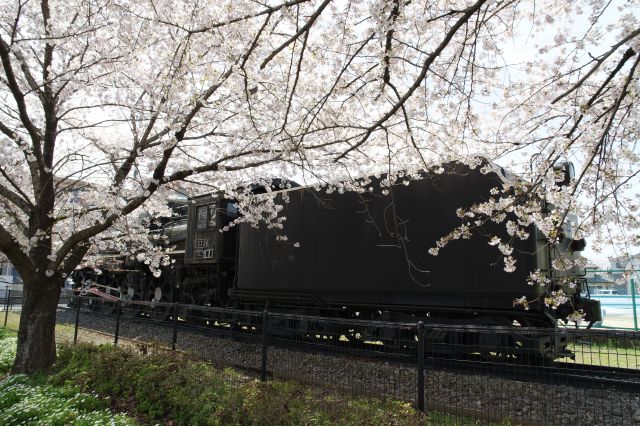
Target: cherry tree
104,104
108,104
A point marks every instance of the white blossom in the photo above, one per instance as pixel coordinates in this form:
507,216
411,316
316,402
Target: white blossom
150,101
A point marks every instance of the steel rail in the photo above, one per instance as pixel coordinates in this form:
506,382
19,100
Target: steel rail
556,372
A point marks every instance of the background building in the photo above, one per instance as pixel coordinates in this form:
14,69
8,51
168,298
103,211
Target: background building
8,274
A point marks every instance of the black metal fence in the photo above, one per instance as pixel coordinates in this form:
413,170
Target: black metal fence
456,374
11,301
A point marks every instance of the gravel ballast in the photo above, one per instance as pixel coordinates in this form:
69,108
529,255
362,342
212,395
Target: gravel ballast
480,397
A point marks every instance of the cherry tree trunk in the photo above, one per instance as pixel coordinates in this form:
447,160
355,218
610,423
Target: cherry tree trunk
36,336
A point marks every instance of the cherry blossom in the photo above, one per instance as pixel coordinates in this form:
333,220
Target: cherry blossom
109,107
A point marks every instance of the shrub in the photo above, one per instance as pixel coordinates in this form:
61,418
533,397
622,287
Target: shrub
171,388
161,386
289,403
24,402
7,351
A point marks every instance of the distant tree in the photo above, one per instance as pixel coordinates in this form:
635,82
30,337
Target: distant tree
106,104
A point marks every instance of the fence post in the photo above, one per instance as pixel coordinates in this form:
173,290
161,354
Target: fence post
265,326
115,339
420,330
175,326
6,305
633,303
75,330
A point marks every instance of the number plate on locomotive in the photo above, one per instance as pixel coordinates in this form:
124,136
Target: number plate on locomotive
201,243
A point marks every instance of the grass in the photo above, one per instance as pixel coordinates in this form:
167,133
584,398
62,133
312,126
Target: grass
13,320
8,342
24,401
610,354
34,401
64,332
168,388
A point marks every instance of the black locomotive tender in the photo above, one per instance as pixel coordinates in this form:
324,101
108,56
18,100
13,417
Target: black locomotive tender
360,255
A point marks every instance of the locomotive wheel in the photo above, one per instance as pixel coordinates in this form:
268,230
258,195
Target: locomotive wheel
100,306
160,312
503,347
199,317
73,302
130,309
501,354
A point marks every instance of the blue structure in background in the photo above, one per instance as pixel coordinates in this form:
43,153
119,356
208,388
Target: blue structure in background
622,306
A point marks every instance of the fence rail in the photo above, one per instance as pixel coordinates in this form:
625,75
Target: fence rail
457,374
618,297
10,299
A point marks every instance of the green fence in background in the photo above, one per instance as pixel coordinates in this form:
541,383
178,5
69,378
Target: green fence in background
619,303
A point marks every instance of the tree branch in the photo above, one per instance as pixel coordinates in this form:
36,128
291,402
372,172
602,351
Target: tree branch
468,13
19,199
13,251
18,96
297,35
599,62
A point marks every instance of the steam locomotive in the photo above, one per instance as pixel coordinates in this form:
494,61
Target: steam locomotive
354,254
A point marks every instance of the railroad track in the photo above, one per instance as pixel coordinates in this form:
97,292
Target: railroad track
557,372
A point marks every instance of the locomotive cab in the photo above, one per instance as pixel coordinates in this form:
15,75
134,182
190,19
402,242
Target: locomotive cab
206,244
209,260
